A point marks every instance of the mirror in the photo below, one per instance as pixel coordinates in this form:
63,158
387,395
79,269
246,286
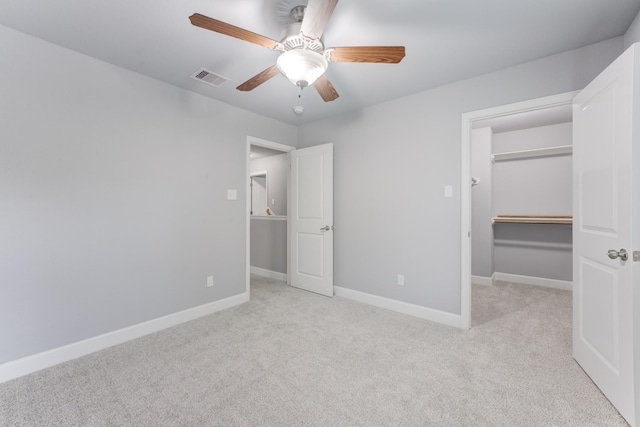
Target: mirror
270,169
259,196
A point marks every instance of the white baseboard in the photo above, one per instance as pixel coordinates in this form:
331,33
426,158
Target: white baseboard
46,359
481,280
268,273
537,281
437,316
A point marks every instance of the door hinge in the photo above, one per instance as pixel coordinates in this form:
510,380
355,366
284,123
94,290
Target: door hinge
636,256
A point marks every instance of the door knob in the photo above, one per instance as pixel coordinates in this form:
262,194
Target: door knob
622,254
325,228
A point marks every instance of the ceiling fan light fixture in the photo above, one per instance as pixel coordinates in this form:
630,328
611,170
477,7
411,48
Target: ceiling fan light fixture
302,67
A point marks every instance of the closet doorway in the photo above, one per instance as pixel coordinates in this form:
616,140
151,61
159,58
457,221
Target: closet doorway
517,206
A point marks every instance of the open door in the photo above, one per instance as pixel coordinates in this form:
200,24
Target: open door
605,132
311,219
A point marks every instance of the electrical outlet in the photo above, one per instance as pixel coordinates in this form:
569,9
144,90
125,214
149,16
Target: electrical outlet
209,281
400,280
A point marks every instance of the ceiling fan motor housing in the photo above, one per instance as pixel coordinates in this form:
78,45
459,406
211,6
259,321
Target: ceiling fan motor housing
291,38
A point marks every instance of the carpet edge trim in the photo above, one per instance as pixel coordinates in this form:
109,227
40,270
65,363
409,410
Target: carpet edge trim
36,362
419,311
269,273
536,281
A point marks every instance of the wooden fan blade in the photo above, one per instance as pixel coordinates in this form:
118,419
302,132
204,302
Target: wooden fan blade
231,30
316,16
378,54
325,89
258,79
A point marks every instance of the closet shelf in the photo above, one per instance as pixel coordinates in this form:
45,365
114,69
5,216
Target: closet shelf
532,219
270,217
528,154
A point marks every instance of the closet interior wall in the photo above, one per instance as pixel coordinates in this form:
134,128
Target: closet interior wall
527,178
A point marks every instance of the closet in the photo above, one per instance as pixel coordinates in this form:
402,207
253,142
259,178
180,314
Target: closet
522,204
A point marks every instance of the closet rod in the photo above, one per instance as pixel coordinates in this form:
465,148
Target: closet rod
532,219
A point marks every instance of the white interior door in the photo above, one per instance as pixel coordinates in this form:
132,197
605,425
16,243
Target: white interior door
312,219
603,295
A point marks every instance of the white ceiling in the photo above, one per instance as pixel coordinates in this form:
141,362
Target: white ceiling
446,41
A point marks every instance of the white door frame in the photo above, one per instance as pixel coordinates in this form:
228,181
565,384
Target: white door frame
252,140
465,183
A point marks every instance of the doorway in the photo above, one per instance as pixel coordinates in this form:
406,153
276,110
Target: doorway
476,120
267,209
307,218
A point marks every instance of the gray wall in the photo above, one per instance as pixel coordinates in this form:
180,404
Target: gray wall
269,244
112,196
482,203
533,186
536,137
276,166
536,250
392,161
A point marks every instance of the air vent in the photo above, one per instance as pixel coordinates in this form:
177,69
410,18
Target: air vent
209,77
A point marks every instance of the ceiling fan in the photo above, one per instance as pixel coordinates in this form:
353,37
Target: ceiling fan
304,59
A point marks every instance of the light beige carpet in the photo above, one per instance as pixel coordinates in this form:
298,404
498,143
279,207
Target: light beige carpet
292,358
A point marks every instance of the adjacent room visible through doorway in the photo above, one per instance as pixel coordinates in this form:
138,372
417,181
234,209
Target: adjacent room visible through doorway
267,209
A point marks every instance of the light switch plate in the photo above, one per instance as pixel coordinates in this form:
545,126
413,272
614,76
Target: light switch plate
232,194
448,191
